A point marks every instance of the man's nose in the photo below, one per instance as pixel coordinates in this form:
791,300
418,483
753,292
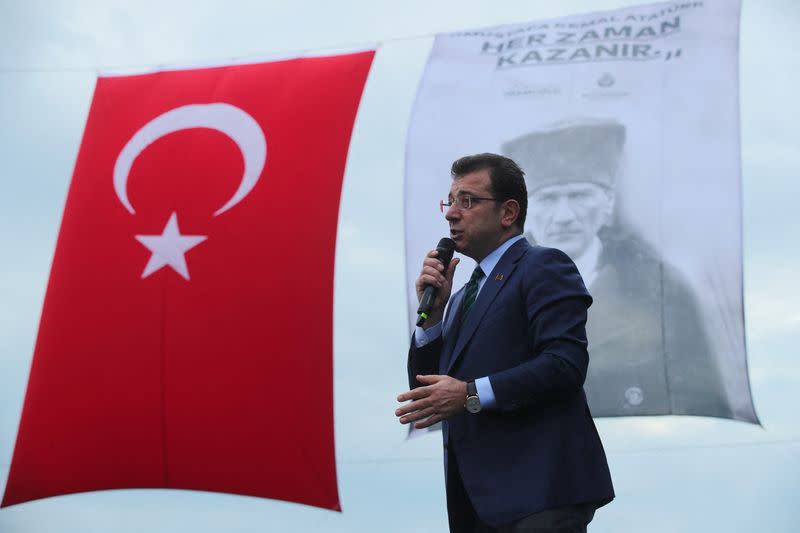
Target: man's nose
452,213
562,212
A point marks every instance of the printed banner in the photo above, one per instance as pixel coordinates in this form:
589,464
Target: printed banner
186,335
626,124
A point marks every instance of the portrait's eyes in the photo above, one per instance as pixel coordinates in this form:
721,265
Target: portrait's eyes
545,199
579,195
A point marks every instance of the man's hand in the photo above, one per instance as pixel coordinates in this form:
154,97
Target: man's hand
441,397
433,273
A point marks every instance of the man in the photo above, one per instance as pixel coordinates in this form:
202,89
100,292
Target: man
526,455
650,352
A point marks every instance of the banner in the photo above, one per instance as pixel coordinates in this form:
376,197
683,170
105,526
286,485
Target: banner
626,124
186,334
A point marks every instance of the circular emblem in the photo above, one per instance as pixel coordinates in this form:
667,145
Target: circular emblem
606,80
634,396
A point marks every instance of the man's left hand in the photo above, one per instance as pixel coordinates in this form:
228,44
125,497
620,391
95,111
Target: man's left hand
441,397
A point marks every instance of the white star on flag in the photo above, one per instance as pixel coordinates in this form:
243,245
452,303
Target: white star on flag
169,248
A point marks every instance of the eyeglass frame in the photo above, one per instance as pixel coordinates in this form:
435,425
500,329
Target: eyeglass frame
460,201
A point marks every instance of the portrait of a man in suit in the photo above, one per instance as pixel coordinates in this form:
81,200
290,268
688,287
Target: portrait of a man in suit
649,349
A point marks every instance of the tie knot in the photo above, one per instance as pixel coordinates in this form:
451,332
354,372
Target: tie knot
476,274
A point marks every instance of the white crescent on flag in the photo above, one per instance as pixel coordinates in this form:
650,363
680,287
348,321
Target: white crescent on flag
230,120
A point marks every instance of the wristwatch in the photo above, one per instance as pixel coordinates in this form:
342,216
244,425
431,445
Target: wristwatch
473,403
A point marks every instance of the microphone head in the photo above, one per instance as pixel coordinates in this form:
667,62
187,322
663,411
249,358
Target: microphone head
446,247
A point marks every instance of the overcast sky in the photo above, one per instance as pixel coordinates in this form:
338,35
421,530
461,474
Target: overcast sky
671,474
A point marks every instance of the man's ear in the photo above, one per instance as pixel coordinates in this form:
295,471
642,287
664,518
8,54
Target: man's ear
509,213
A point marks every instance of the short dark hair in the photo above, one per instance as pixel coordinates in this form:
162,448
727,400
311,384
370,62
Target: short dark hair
507,179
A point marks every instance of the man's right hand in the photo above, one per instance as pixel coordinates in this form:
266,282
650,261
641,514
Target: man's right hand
434,274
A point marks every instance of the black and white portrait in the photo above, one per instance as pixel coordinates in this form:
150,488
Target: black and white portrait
649,349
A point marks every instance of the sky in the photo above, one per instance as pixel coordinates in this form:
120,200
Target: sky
671,474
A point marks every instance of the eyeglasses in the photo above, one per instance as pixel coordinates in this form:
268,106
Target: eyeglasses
464,202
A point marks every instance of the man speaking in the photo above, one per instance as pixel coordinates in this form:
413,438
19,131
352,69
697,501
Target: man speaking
503,368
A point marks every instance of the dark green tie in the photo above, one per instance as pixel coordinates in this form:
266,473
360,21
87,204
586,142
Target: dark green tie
470,292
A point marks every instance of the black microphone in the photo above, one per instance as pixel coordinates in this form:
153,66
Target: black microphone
446,247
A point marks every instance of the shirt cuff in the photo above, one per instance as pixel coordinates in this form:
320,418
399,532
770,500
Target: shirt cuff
424,336
485,392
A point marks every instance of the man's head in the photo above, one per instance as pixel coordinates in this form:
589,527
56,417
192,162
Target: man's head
571,169
497,207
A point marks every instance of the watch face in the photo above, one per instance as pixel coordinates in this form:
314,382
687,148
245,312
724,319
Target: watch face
473,404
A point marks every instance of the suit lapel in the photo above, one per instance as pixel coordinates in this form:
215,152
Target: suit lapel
494,282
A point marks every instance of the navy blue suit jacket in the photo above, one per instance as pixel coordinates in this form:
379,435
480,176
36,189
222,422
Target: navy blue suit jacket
538,448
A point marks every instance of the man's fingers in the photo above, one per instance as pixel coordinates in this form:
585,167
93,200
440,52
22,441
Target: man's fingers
431,258
428,422
430,275
433,264
430,279
429,270
414,394
417,415
451,269
428,380
411,407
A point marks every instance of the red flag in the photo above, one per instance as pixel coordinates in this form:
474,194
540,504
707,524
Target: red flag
186,335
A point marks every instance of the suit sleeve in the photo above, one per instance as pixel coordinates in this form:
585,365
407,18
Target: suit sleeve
556,303
423,360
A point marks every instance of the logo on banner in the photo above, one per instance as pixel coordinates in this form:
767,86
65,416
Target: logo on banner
605,88
606,80
634,396
169,248
521,89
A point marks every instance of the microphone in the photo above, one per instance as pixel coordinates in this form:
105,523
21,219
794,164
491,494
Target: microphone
446,247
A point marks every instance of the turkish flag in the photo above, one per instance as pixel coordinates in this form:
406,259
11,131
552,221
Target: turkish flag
186,334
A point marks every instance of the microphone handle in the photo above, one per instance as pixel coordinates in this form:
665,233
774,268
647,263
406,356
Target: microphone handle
446,247
425,303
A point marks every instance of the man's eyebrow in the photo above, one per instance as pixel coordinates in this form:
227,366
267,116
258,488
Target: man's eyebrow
462,192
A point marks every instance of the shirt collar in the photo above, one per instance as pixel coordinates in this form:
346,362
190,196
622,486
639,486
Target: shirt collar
491,260
588,260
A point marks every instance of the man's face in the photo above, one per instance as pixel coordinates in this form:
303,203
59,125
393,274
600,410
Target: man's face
568,216
478,230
